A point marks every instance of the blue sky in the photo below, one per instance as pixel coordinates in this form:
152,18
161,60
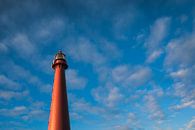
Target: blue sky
131,63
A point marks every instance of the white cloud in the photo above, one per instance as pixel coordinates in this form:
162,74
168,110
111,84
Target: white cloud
180,90
154,55
183,18
186,95
75,116
109,49
130,122
83,106
34,111
96,53
83,50
180,65
74,81
121,127
180,73
103,73
157,91
120,73
108,95
114,96
8,95
175,51
22,45
25,75
46,88
79,108
139,76
123,20
48,29
158,32
3,48
131,76
44,64
153,108
16,111
7,83
184,105
191,125
27,48
84,111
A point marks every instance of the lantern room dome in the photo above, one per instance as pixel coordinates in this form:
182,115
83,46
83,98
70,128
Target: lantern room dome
59,59
59,56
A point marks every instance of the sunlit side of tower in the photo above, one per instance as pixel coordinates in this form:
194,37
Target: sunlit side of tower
59,115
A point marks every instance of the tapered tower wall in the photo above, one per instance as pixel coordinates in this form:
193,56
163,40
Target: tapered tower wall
59,115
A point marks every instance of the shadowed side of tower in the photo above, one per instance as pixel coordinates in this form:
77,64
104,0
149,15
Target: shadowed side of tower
59,115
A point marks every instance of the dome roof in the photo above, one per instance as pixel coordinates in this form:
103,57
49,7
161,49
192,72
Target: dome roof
59,56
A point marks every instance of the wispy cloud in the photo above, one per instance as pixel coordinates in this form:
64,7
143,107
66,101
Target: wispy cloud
3,48
74,81
34,111
23,46
175,50
8,95
108,77
131,75
154,42
108,95
84,50
154,109
16,111
7,83
186,94
180,67
25,75
191,125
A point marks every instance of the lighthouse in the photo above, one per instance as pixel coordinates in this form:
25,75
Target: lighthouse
59,115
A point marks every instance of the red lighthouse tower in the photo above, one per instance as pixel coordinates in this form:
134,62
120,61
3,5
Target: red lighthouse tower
59,115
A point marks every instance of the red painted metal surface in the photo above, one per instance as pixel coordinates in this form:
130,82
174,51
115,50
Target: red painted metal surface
59,115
